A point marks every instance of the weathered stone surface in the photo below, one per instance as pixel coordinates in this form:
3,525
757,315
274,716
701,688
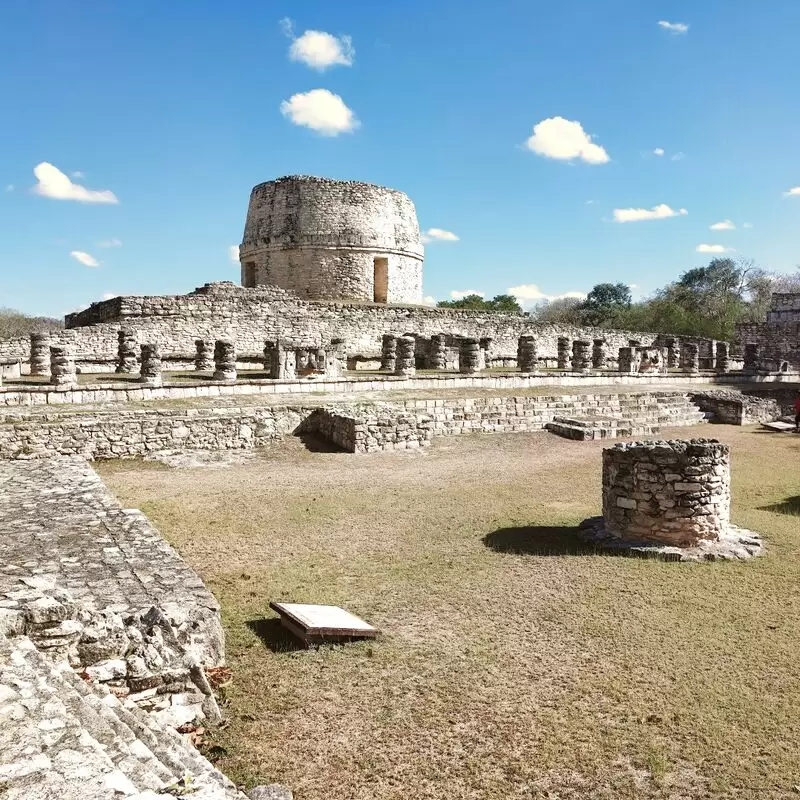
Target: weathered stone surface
671,492
388,352
405,361
527,354
563,352
151,365
62,367
581,357
40,354
272,792
204,355
437,352
469,356
224,361
126,351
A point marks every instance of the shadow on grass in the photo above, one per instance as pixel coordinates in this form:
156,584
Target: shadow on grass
538,540
789,506
274,636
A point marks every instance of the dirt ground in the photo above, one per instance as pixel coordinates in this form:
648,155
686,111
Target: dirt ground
512,663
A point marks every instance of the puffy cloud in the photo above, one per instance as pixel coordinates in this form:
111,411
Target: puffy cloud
428,301
110,243
233,253
459,295
662,211
713,248
320,110
748,225
673,27
438,235
725,225
320,50
659,151
85,258
53,183
565,140
109,295
794,192
529,294
77,174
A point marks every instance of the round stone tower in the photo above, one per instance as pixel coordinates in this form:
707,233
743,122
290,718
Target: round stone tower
326,239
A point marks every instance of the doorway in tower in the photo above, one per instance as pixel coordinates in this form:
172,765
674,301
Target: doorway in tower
249,275
381,280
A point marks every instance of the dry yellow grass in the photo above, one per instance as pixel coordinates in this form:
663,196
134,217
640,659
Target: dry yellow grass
543,673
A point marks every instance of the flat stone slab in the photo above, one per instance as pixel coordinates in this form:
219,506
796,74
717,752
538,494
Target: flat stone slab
737,544
318,622
779,426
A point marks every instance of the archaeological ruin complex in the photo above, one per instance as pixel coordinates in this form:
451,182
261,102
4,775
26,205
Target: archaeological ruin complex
106,648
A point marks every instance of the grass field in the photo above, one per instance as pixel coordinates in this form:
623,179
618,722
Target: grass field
513,664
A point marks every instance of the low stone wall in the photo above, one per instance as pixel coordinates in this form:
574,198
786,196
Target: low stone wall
95,394
674,493
369,429
737,408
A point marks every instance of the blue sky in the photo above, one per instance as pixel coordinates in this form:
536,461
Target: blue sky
176,109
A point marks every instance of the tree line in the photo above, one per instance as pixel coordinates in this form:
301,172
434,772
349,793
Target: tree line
704,301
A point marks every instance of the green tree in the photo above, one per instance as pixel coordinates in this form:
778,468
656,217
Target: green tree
474,302
605,301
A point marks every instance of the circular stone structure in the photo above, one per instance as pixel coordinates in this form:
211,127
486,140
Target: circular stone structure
333,240
674,495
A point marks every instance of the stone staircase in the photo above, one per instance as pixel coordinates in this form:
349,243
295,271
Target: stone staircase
621,415
62,737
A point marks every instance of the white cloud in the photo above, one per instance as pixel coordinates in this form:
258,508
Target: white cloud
662,211
659,151
457,295
794,192
77,174
725,225
233,253
748,225
9,187
109,295
713,248
565,140
320,110
529,294
320,50
110,243
429,301
85,258
590,202
438,235
678,157
55,184
673,27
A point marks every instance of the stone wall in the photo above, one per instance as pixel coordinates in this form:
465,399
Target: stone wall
118,433
320,237
736,408
250,316
673,493
370,428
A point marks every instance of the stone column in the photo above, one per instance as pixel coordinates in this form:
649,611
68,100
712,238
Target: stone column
673,352
469,356
564,347
692,358
335,359
203,355
751,357
40,354
581,359
485,351
283,363
62,367
723,357
625,360
599,354
405,363
126,351
437,353
224,361
526,354
388,352
269,356
150,371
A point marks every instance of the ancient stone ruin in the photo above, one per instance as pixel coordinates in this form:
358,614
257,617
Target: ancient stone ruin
670,497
